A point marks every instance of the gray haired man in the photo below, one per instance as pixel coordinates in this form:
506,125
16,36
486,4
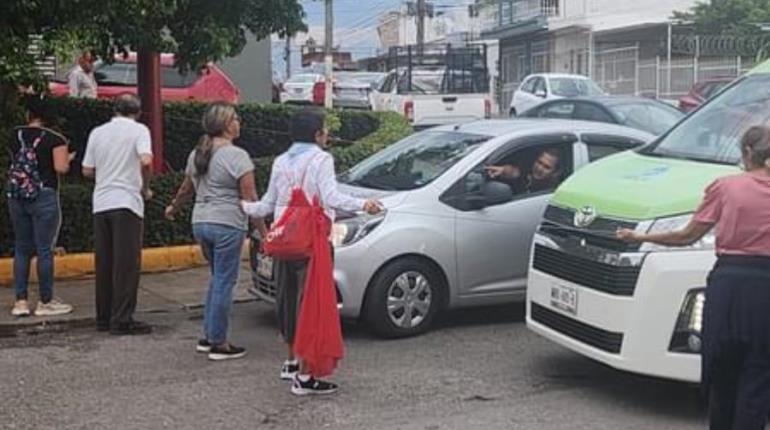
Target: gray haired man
119,156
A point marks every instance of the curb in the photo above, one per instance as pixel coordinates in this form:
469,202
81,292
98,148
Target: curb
73,266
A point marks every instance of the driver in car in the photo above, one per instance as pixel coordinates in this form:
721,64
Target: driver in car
545,173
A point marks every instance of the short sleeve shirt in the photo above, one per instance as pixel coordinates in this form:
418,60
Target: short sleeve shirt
114,150
47,140
217,193
739,208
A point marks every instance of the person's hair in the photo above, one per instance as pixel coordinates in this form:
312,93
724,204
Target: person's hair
305,124
755,145
216,119
37,108
128,105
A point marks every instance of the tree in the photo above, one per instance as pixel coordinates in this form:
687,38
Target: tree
728,17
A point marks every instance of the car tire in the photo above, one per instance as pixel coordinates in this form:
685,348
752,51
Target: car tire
427,297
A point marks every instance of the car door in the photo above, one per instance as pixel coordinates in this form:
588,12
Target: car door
554,109
536,97
522,96
383,94
493,242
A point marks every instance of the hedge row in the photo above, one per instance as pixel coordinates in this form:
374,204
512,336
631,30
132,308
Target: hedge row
76,232
264,128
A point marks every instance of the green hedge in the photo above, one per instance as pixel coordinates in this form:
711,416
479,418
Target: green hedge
76,232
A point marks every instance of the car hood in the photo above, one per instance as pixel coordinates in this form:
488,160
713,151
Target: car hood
390,199
638,187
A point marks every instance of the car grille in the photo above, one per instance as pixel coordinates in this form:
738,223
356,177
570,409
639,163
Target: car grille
616,280
559,222
269,288
598,338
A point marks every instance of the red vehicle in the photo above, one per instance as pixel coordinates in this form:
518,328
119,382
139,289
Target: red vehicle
209,84
702,91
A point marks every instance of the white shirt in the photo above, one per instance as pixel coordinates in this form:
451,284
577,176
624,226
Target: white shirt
320,180
114,149
82,84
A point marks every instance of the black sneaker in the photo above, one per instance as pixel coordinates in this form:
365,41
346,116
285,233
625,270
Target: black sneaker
312,387
228,352
133,328
289,370
203,346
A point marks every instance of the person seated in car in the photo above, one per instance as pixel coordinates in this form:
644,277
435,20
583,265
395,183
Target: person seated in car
544,174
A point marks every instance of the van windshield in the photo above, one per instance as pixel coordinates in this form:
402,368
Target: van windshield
413,162
712,133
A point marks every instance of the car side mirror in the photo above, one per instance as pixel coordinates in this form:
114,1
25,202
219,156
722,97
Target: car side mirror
541,93
493,193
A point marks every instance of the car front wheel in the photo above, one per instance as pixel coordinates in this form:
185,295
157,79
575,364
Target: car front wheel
404,298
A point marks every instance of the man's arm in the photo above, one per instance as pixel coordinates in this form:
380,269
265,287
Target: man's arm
88,167
146,160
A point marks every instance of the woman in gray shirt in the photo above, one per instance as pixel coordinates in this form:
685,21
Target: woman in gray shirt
219,174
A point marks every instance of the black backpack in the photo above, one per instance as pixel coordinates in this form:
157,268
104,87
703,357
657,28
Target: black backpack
24,181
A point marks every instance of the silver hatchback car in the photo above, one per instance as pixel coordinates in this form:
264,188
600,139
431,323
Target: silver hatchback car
452,235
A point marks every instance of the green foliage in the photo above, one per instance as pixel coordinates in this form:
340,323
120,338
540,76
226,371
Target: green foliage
728,17
76,233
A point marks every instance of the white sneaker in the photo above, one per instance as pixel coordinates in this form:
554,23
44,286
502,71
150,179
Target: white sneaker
52,308
21,309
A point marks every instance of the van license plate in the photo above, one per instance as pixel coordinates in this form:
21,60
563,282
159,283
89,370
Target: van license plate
564,298
265,267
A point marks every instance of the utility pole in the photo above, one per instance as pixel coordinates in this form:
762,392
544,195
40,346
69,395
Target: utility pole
287,57
328,53
420,26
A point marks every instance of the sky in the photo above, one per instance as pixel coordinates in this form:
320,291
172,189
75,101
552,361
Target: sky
355,23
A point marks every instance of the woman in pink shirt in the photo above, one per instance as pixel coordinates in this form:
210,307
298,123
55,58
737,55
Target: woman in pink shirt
736,325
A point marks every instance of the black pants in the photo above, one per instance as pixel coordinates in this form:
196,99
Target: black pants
118,249
736,338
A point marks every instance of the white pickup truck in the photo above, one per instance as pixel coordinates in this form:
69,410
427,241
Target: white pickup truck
433,97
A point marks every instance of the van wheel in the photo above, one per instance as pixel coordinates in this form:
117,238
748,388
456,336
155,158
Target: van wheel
512,113
404,298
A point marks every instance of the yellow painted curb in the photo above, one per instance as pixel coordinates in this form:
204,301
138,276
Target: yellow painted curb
154,260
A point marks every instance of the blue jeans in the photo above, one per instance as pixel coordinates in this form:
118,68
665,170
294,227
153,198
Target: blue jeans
35,224
221,245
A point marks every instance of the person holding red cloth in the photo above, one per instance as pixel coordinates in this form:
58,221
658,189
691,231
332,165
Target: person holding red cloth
736,317
306,299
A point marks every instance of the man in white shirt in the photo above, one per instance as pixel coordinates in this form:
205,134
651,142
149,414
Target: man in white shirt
81,78
305,163
119,156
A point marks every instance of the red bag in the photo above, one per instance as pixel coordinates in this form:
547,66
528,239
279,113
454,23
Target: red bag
291,237
318,340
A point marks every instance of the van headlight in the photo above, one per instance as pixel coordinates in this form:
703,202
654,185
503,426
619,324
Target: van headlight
689,325
662,225
349,231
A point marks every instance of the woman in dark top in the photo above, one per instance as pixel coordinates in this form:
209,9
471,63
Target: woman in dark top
736,317
38,156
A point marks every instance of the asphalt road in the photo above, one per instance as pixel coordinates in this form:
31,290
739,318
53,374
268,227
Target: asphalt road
480,369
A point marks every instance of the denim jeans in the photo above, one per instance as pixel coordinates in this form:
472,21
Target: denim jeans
221,245
35,224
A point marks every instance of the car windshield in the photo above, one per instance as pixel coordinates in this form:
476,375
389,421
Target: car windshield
651,117
364,78
712,133
413,162
302,79
571,87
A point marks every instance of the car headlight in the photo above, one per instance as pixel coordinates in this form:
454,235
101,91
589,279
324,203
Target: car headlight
687,332
663,225
349,231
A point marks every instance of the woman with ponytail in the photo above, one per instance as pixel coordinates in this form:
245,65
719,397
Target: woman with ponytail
219,175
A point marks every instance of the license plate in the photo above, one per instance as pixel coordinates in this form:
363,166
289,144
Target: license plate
564,298
265,267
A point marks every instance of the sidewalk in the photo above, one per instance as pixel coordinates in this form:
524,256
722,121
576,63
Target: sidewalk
162,292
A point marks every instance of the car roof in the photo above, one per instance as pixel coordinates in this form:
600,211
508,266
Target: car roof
528,126
609,100
559,75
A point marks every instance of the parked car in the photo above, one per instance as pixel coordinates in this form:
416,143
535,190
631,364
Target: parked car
536,89
637,112
209,84
429,97
354,89
702,91
299,88
451,236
